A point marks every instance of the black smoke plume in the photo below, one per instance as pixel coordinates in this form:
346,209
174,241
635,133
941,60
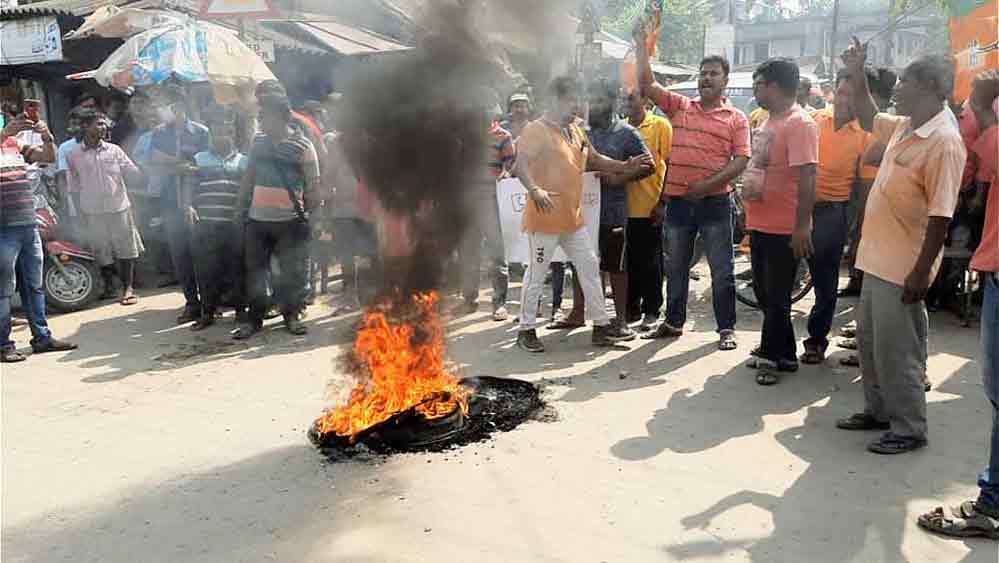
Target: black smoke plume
415,126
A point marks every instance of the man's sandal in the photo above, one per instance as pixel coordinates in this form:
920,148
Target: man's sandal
11,357
890,444
727,341
813,356
963,522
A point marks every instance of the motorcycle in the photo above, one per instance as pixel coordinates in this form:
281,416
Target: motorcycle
71,277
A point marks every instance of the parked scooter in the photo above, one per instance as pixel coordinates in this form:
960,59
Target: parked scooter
71,277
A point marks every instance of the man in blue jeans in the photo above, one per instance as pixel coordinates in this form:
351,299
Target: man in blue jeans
842,142
981,517
172,149
710,149
20,245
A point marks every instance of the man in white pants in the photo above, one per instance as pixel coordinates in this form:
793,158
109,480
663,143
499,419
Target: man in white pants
553,153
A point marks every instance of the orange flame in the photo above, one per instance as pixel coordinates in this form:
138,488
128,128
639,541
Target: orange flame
402,350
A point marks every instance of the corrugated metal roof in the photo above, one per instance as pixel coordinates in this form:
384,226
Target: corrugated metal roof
345,39
87,7
31,11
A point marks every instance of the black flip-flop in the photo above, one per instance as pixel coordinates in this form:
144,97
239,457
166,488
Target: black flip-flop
891,444
767,377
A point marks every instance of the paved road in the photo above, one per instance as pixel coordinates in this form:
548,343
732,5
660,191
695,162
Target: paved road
151,444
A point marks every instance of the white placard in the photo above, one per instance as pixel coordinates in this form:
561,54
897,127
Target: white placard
32,40
264,48
512,199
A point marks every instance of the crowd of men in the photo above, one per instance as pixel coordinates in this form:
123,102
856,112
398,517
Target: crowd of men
879,183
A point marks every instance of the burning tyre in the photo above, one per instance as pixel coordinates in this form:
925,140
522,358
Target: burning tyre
406,399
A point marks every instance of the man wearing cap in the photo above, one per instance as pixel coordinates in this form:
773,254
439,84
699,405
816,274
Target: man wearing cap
172,149
519,108
278,194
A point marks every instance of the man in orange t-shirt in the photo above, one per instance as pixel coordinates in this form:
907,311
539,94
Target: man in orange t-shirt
842,142
779,191
552,155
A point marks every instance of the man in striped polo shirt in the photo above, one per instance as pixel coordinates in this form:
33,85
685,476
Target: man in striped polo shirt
20,245
710,149
486,225
218,236
278,192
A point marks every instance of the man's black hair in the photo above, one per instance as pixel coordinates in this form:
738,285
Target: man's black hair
604,87
718,59
781,71
935,73
275,103
564,87
884,83
87,117
869,72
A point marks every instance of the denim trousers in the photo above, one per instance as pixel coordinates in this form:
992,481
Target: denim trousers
830,223
988,481
21,252
179,235
710,217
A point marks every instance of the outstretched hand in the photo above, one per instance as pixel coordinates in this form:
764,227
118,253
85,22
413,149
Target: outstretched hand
855,56
984,91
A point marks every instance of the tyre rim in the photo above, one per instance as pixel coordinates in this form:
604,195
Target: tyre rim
71,285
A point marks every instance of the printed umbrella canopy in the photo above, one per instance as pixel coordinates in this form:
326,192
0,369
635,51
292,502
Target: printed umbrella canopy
194,51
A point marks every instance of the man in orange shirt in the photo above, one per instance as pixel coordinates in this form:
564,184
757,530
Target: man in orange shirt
905,224
552,155
981,517
842,143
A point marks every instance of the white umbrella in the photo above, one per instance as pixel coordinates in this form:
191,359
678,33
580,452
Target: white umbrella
192,52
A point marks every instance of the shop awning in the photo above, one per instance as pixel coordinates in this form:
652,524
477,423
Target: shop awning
344,39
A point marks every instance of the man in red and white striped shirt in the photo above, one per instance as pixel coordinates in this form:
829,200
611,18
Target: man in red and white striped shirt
710,149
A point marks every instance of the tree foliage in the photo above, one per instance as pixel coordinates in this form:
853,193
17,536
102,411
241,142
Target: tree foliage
682,35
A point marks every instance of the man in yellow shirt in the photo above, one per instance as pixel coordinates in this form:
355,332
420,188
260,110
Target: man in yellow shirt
645,240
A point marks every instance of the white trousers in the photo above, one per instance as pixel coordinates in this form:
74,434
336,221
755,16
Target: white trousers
581,253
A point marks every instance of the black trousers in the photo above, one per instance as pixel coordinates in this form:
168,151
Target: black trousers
645,267
219,263
288,243
774,270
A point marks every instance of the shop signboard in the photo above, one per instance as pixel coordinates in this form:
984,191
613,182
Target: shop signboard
32,40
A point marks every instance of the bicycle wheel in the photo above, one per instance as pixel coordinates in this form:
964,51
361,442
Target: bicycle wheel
802,283
746,294
744,291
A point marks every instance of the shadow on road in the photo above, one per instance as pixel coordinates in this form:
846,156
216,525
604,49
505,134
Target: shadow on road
271,507
145,340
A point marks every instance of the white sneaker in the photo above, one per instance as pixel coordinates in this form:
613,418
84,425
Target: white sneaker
500,314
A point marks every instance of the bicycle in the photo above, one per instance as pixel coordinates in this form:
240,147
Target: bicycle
745,293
